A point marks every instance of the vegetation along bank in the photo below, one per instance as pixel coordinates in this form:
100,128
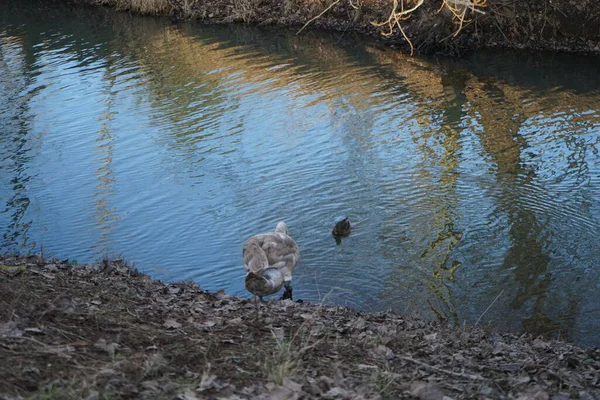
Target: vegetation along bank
423,26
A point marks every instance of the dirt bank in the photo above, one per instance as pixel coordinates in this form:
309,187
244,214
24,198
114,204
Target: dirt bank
106,331
429,25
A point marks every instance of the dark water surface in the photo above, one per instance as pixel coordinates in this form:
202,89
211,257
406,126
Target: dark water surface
170,144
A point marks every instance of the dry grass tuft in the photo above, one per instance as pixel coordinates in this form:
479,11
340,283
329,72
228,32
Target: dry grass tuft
245,10
282,363
146,6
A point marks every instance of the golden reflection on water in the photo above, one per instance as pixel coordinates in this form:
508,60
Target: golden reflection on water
444,97
105,214
465,128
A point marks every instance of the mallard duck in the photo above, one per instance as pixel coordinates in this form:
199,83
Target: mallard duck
269,259
341,228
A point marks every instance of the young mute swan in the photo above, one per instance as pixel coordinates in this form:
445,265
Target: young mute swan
269,259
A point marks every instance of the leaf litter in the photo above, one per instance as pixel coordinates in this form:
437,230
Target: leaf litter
108,331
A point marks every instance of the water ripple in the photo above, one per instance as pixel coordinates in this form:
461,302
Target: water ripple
171,145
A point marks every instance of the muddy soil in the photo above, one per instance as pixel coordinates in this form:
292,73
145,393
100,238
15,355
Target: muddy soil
108,331
560,25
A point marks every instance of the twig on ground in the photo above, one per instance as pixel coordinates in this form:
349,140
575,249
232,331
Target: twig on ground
481,316
66,333
445,371
36,341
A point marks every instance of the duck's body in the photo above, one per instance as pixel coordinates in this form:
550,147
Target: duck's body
341,228
269,260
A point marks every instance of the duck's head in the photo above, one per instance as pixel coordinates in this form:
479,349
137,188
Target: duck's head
282,228
341,228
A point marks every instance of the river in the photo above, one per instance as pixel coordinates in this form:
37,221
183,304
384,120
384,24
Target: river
473,185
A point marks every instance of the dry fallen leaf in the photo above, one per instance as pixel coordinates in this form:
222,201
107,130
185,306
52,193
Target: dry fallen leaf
47,276
208,324
540,344
278,333
366,367
382,352
539,395
208,381
359,324
426,391
336,393
35,330
523,379
108,372
171,324
189,395
60,349
110,348
290,384
150,385
9,329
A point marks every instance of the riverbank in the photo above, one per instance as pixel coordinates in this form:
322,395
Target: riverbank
108,331
422,26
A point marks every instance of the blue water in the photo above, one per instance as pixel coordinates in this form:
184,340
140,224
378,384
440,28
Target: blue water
470,183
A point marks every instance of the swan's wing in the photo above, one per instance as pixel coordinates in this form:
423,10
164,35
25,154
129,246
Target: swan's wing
255,264
282,249
255,258
270,250
279,265
279,244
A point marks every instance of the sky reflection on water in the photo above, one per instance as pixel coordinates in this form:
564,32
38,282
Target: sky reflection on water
169,145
